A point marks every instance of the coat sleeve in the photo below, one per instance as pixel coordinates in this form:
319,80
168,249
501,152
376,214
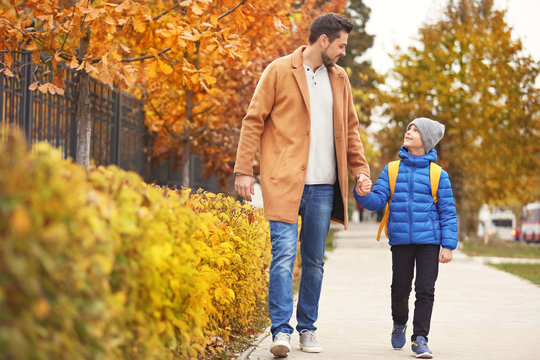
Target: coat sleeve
253,123
379,195
356,159
447,213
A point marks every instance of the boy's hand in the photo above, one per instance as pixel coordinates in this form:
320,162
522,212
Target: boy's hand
445,256
363,185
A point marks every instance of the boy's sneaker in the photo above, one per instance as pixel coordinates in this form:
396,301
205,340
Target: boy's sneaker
398,336
308,342
420,348
281,345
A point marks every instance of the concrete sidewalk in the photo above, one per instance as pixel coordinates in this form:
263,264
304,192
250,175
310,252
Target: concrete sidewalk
479,312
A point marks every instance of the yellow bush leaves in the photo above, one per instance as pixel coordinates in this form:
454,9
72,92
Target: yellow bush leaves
99,264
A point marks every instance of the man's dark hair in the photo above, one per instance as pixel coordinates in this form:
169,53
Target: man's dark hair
329,24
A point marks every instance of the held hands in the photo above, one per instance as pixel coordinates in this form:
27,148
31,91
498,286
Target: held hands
363,185
445,256
244,186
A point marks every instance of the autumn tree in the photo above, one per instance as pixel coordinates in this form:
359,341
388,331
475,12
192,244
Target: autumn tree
267,29
203,120
468,73
120,42
363,78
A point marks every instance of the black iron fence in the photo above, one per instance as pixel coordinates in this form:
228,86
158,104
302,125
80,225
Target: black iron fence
118,132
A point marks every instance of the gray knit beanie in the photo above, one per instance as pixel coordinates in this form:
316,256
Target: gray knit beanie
431,131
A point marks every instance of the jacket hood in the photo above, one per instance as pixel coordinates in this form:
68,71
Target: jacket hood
417,160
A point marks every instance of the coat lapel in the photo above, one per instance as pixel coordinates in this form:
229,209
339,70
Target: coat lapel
336,82
300,76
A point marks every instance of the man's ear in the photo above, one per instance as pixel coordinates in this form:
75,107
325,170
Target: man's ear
323,40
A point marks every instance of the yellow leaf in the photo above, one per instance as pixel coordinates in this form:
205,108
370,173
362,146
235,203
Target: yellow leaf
151,69
164,67
41,309
210,80
89,67
8,60
8,72
74,63
20,222
196,9
43,88
125,5
153,52
117,56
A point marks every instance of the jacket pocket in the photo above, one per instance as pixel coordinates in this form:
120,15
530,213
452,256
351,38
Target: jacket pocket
279,162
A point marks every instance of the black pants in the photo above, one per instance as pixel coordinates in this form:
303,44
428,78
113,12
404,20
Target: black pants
427,269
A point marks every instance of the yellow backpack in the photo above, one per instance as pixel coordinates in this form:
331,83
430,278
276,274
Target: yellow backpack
393,168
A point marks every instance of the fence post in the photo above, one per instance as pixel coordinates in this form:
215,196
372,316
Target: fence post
27,97
73,111
116,126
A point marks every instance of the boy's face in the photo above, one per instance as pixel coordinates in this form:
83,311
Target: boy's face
413,141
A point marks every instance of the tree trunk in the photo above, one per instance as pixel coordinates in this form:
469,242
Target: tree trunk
186,151
82,100
185,162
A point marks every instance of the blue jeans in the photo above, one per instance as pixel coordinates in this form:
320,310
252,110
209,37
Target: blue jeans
315,210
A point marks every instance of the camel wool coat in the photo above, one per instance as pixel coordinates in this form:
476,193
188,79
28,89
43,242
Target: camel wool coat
278,120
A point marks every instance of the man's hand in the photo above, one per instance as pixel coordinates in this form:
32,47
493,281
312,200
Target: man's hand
445,256
363,185
244,186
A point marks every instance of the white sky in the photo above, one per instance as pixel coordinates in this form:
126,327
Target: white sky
397,22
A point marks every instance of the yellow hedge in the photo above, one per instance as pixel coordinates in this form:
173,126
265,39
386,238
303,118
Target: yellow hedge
99,265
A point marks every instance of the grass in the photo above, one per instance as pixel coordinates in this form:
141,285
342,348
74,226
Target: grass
241,337
501,248
529,272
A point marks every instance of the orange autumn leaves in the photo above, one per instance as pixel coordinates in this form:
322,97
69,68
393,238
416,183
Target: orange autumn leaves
195,63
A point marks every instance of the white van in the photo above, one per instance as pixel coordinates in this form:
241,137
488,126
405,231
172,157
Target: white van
496,223
530,223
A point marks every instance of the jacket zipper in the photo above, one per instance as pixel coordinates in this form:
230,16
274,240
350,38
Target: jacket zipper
411,183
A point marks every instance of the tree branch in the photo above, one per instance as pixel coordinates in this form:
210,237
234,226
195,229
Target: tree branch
203,111
168,11
231,10
144,57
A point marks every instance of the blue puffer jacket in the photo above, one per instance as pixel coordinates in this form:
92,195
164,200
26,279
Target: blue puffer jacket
414,218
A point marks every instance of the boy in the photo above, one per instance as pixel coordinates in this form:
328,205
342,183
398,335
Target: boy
417,229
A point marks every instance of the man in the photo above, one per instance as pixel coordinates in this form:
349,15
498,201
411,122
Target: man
303,118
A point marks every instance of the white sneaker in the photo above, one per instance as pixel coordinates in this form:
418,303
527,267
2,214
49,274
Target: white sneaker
308,342
281,345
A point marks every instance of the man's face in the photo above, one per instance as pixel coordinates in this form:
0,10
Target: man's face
333,50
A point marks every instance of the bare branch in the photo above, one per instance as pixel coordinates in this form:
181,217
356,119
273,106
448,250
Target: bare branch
231,10
144,57
202,111
67,32
168,11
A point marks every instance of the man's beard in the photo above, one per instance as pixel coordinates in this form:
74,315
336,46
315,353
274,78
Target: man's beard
326,59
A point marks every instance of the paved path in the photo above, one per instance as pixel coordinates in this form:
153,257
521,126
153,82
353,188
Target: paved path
479,313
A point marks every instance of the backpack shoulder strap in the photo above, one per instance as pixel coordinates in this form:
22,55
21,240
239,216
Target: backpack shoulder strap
393,169
434,177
